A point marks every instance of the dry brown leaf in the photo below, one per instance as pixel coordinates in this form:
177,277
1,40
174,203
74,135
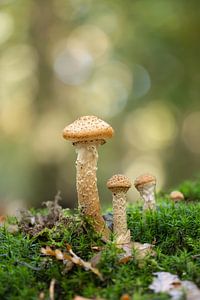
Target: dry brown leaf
86,265
47,251
73,258
168,283
141,251
59,255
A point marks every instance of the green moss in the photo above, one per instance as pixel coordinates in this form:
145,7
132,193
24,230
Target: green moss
175,230
191,190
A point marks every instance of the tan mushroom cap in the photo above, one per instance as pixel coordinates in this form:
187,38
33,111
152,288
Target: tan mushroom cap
144,179
118,182
88,128
176,195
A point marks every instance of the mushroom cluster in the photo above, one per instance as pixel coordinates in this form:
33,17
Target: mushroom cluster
86,134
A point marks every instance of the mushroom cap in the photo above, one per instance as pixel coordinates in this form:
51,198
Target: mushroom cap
144,179
118,182
176,195
88,128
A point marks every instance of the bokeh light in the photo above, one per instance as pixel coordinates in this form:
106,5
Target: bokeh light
107,92
84,46
151,127
6,26
142,81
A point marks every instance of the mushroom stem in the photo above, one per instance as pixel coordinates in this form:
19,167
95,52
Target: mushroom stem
86,181
147,192
119,217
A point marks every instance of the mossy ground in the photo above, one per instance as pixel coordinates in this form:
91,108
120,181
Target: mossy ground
174,228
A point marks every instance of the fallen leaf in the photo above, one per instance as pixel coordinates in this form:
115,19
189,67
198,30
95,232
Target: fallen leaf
192,291
164,282
141,251
86,265
47,251
173,286
59,255
71,258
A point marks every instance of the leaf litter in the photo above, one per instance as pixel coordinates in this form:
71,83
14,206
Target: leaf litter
34,224
166,282
70,259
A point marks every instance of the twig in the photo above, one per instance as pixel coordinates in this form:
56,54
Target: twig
51,289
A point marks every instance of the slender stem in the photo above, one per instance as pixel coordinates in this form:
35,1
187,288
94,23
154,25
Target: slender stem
86,181
119,217
148,195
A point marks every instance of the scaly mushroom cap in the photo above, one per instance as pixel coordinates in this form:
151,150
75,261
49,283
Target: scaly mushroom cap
143,180
118,182
176,196
88,128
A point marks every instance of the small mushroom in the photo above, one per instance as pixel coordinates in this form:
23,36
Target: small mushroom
119,185
146,184
86,134
176,196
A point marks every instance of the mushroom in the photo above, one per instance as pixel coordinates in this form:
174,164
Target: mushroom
119,185
86,134
145,184
176,196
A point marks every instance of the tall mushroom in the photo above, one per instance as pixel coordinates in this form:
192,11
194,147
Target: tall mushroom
86,134
146,184
119,185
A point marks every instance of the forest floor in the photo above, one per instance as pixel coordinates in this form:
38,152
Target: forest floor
47,255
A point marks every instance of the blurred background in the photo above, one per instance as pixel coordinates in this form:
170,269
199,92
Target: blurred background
133,63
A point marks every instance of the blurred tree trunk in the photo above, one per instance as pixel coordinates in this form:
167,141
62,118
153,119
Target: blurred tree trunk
41,23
